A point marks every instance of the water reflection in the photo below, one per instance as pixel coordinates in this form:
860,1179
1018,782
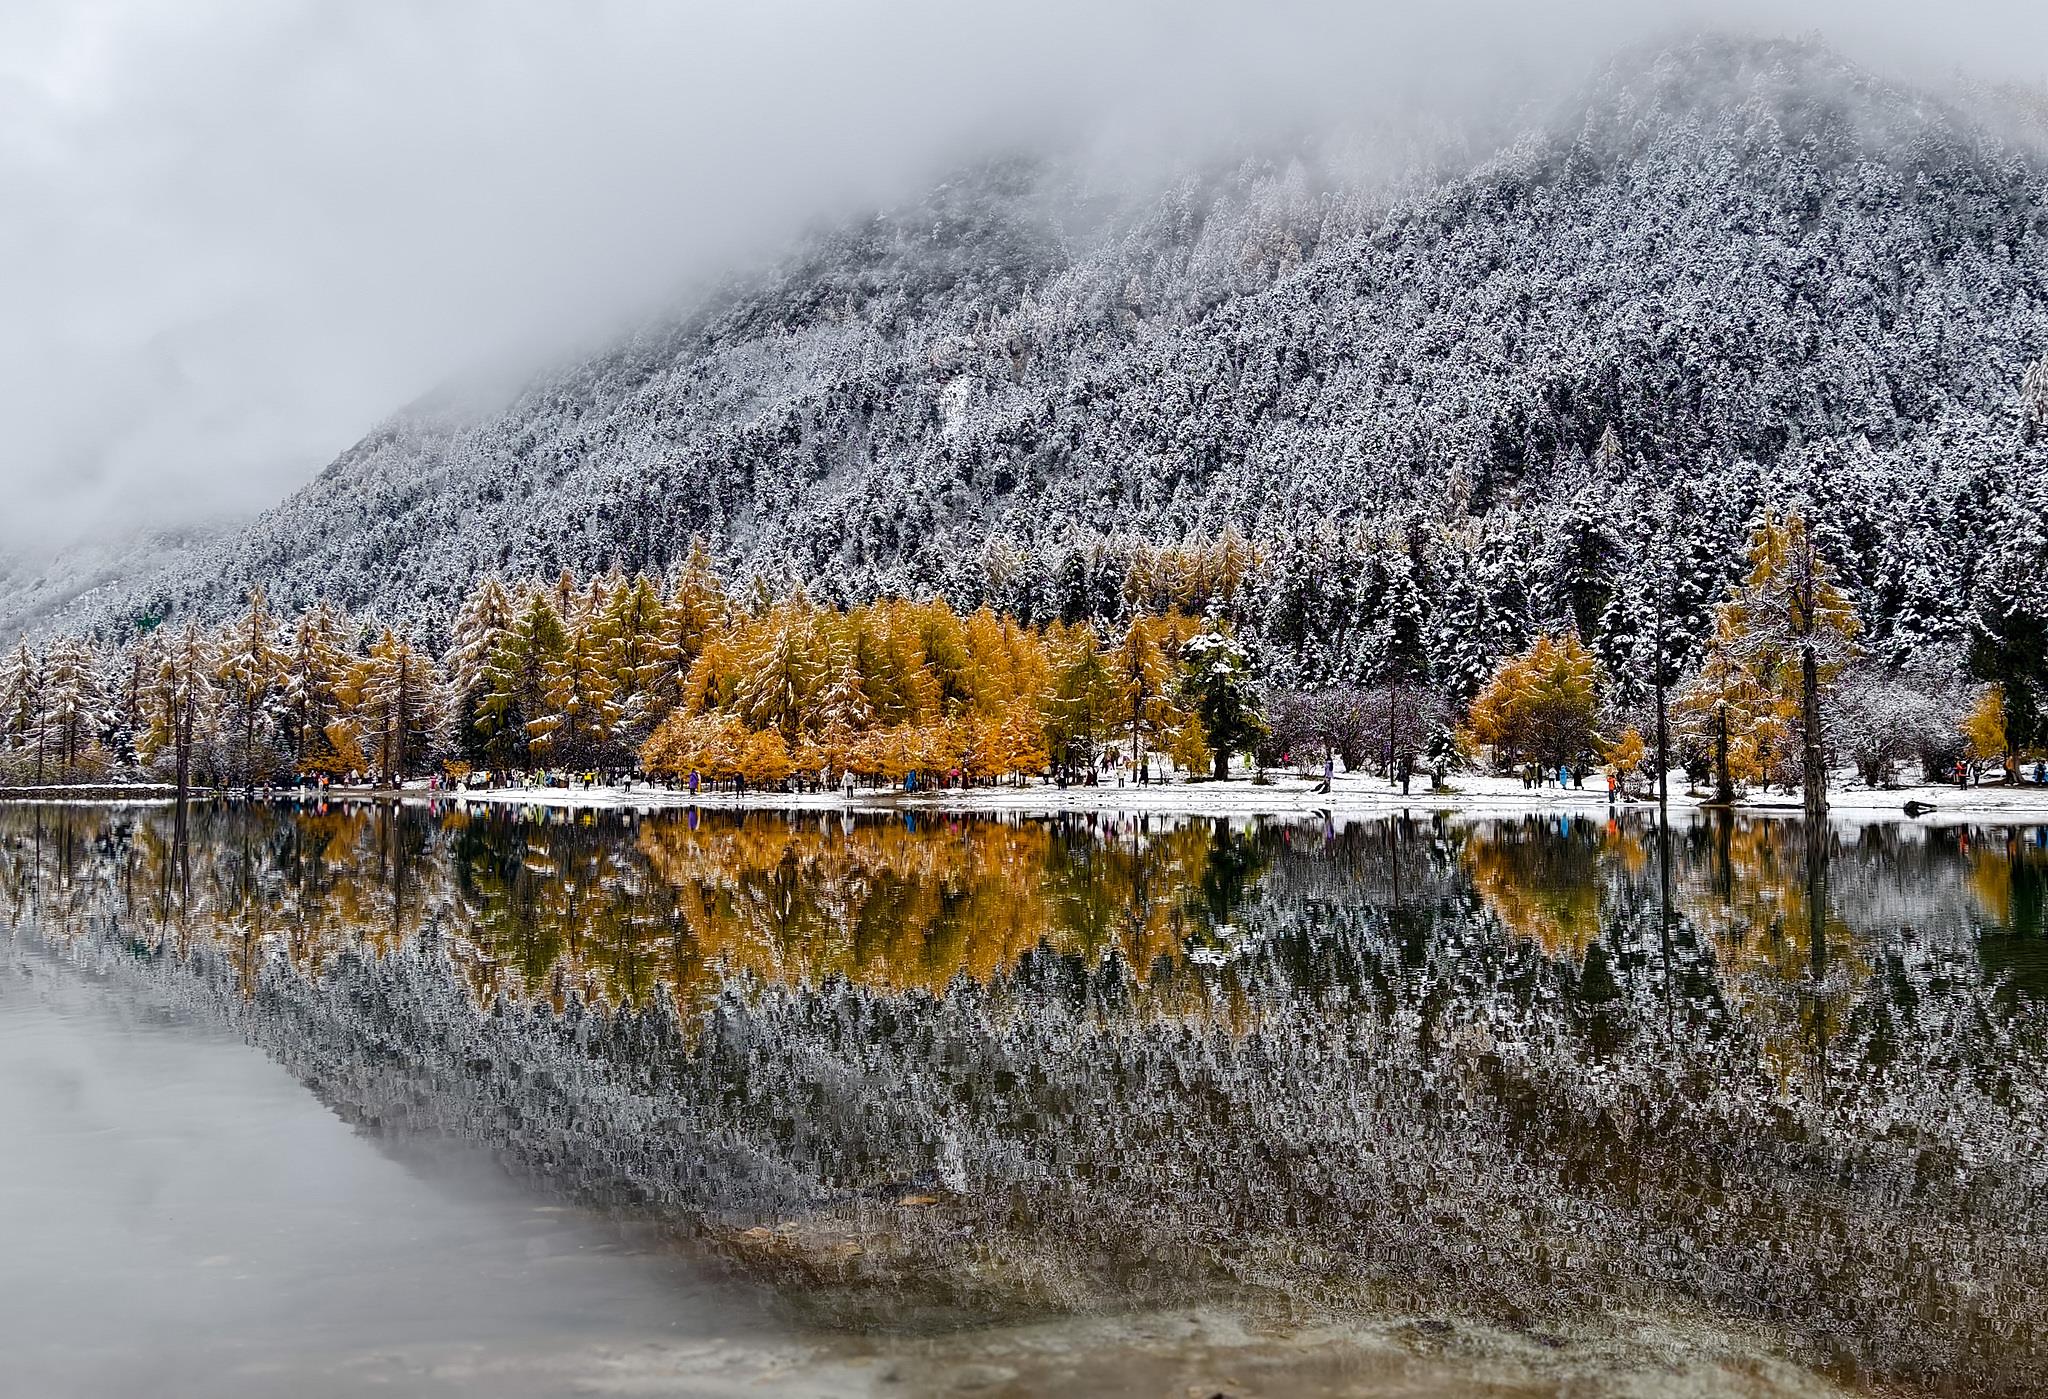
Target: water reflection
1793,1073
1755,918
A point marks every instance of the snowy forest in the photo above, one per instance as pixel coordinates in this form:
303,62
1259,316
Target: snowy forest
1530,418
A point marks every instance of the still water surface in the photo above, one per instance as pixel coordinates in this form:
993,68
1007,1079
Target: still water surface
696,1103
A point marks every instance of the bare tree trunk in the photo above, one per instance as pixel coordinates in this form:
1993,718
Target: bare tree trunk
181,743
1724,784
1137,739
1663,752
1813,754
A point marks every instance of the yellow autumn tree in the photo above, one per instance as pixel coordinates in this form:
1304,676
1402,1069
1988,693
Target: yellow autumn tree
1780,640
1541,705
1984,726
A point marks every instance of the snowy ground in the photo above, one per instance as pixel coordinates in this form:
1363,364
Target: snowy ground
1281,794
1351,795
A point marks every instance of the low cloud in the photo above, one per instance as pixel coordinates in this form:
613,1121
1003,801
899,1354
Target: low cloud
236,233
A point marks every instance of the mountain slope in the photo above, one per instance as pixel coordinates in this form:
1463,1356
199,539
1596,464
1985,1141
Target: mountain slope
1727,253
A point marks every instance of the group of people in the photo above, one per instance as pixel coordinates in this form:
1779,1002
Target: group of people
1536,775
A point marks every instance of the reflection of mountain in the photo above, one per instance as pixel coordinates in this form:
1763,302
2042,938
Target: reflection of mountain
1373,1092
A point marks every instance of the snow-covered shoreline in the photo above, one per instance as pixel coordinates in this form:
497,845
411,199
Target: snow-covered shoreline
1281,795
1350,796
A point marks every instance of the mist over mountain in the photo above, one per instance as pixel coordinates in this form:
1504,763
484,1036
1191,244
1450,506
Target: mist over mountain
1745,268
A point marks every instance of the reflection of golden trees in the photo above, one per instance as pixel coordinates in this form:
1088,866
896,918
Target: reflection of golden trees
573,902
1545,877
796,901
1788,962
543,905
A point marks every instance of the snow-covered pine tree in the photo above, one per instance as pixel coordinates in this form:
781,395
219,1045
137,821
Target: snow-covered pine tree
1660,616
2034,403
639,658
580,692
75,710
249,672
2008,639
779,679
513,722
316,725
1220,689
180,712
481,623
24,713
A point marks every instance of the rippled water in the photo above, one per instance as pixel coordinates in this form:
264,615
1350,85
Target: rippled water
1535,1078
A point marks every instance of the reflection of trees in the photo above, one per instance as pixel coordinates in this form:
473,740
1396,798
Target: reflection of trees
1545,877
1789,962
1425,1050
886,904
2009,884
1738,919
608,906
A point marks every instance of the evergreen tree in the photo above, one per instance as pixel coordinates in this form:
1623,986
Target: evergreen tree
180,708
1660,618
249,671
1791,617
74,708
316,726
486,615
513,721
779,681
24,709
639,657
1220,690
2008,645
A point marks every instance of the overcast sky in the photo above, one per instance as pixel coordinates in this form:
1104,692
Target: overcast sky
236,233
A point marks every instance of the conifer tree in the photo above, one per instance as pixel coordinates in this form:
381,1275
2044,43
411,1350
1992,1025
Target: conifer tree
696,611
180,707
1660,618
1791,619
249,671
640,657
1080,700
780,677
2034,402
318,731
74,707
486,615
513,720
1142,674
398,705
24,708
2009,629
580,694
1219,687
1542,705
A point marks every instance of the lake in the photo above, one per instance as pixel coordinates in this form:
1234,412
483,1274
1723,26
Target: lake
515,1100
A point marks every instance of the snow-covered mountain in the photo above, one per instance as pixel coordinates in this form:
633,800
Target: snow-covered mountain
1731,264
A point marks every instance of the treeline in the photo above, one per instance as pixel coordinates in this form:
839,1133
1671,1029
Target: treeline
1768,678
625,673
